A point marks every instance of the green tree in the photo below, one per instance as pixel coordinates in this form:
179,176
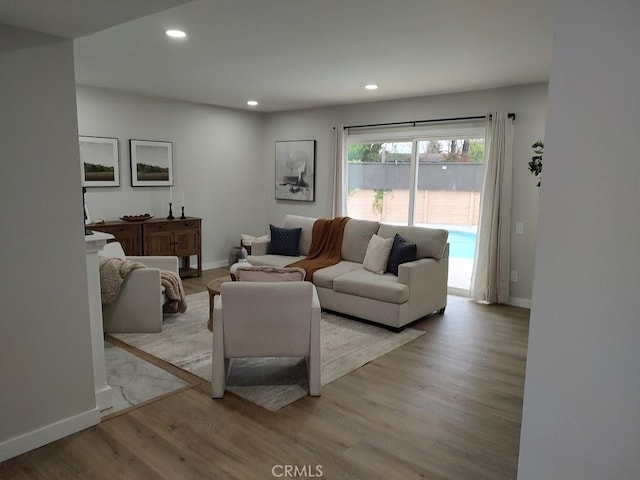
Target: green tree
364,152
378,198
476,151
434,147
454,154
465,150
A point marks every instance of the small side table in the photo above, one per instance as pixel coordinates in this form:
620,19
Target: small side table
214,289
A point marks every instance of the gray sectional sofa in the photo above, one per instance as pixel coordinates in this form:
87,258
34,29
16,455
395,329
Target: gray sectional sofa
419,289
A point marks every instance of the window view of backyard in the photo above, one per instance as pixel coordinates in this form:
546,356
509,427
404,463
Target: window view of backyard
442,191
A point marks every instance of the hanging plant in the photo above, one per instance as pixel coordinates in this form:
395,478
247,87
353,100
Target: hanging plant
535,165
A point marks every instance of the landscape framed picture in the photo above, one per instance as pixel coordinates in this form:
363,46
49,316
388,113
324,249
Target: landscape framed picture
151,163
99,158
295,170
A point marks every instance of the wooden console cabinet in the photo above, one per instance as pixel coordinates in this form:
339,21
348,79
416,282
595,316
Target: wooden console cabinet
180,238
127,233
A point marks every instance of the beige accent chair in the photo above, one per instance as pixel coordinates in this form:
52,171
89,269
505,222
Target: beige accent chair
138,308
265,319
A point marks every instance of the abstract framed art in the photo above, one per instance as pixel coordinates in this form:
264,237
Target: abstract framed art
99,157
295,170
151,163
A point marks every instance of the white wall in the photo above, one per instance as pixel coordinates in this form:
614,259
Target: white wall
216,163
46,373
527,102
581,417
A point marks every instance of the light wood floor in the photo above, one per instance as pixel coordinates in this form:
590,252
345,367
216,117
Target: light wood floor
446,406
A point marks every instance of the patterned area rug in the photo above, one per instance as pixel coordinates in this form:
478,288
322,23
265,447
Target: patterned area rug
271,383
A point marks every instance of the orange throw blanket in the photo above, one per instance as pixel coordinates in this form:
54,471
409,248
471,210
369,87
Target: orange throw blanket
326,243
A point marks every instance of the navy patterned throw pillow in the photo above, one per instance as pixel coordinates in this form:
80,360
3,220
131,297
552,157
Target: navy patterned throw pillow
285,241
401,252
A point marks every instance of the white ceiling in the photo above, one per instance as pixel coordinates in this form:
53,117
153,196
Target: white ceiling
75,18
291,54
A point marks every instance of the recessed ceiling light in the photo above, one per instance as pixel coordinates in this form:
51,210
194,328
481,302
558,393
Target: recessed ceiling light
252,103
371,86
175,33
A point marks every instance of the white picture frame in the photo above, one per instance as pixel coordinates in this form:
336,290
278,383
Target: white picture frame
151,163
295,170
99,161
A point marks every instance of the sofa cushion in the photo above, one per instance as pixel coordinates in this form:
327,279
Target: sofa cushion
377,255
304,223
401,252
285,241
430,242
363,283
355,240
272,260
324,277
270,274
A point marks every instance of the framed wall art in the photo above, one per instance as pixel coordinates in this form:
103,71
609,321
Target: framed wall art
151,163
295,170
99,158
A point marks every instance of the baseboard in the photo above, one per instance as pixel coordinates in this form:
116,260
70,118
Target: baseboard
514,301
460,292
212,265
104,398
50,433
520,302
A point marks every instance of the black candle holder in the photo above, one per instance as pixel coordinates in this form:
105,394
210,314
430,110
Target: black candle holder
170,217
182,217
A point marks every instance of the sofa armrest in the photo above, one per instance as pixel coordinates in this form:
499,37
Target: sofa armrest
138,308
427,281
160,262
259,247
315,302
417,271
143,280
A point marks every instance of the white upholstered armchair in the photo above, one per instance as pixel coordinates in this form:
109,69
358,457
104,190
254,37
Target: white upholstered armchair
138,307
265,319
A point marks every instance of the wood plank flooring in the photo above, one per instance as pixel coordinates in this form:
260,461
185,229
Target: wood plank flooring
446,406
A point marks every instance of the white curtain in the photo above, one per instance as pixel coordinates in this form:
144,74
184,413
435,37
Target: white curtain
339,207
491,267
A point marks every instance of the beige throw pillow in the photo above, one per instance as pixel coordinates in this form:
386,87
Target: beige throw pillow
247,240
377,255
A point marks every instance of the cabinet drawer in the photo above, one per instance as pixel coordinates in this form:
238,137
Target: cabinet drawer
171,226
127,229
157,227
186,225
116,229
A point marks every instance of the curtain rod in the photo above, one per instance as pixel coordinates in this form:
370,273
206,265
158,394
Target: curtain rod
414,122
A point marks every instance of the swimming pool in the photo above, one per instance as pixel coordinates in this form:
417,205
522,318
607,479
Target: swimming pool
462,244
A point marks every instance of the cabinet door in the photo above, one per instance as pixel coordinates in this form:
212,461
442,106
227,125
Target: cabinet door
187,242
158,240
128,235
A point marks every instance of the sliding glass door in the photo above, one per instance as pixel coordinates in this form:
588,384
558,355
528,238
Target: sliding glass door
379,181
432,178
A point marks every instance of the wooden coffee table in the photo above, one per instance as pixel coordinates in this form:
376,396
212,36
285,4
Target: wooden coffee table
214,289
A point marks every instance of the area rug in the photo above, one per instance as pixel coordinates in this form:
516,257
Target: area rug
134,380
272,383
